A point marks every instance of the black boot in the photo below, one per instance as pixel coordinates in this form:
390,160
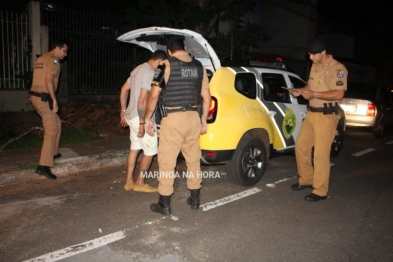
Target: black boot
45,171
163,206
58,155
194,200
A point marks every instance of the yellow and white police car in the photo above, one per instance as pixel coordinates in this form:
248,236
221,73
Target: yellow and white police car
251,117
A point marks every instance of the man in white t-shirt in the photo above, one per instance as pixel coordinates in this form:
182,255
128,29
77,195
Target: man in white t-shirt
137,88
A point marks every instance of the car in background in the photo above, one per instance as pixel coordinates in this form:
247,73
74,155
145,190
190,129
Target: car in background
368,106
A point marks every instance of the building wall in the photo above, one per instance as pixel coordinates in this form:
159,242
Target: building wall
15,101
290,25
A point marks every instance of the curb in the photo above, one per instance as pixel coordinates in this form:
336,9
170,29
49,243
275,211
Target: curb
70,166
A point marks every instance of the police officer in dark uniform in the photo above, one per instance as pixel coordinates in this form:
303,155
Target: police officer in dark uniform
182,88
325,88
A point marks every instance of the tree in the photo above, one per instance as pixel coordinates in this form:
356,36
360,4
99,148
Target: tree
202,16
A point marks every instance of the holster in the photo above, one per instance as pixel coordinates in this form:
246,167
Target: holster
200,110
329,109
163,110
45,97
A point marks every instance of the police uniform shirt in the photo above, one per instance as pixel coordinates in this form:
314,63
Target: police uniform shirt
140,77
325,77
184,56
45,64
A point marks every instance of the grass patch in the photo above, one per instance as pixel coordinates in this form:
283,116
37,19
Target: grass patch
76,136
28,166
68,136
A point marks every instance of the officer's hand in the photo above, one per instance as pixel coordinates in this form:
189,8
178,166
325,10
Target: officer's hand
123,121
307,94
295,92
141,131
150,127
55,107
203,127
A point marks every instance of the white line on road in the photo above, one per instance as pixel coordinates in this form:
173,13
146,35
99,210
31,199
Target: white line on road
280,181
79,248
364,152
102,241
231,198
389,143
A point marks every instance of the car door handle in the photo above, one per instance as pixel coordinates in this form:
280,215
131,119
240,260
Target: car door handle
272,113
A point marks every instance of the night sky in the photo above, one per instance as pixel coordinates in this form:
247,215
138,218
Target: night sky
369,16
99,5
347,9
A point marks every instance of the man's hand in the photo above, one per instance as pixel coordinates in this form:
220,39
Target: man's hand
150,127
141,131
295,92
203,127
55,107
307,94
123,121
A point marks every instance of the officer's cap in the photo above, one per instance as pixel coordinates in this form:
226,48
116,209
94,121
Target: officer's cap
316,46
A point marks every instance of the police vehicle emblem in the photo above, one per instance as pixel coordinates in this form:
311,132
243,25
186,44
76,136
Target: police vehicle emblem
289,123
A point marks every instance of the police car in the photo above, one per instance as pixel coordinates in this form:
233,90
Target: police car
252,117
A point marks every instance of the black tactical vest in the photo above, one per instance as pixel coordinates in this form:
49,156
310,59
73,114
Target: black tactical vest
184,84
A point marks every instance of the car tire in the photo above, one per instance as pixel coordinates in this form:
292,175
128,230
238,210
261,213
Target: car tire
379,131
248,163
338,141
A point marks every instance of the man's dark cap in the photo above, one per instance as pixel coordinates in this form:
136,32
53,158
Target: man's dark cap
172,40
316,46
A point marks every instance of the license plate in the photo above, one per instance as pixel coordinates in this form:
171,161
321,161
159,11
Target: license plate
348,108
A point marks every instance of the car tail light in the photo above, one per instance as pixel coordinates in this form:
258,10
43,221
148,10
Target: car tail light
370,110
210,154
279,58
211,117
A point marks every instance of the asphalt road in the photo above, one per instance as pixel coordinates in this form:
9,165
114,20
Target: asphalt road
89,217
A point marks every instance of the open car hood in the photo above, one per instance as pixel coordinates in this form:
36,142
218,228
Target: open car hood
155,38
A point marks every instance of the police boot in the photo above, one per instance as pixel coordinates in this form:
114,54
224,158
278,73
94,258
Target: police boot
194,200
163,206
45,171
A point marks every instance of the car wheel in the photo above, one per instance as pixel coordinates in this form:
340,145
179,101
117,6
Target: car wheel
379,131
248,164
338,141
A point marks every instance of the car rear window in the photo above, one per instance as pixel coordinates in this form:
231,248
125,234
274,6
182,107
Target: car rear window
360,92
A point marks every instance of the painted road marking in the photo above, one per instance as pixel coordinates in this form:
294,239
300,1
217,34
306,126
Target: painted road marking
280,181
80,248
231,198
102,241
389,143
364,152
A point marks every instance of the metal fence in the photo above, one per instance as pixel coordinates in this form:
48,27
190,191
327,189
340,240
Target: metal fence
96,63
15,72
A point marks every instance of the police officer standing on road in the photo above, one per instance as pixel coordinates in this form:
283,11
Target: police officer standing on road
181,87
326,86
43,97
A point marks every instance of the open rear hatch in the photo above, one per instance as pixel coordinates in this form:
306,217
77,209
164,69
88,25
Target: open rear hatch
155,38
